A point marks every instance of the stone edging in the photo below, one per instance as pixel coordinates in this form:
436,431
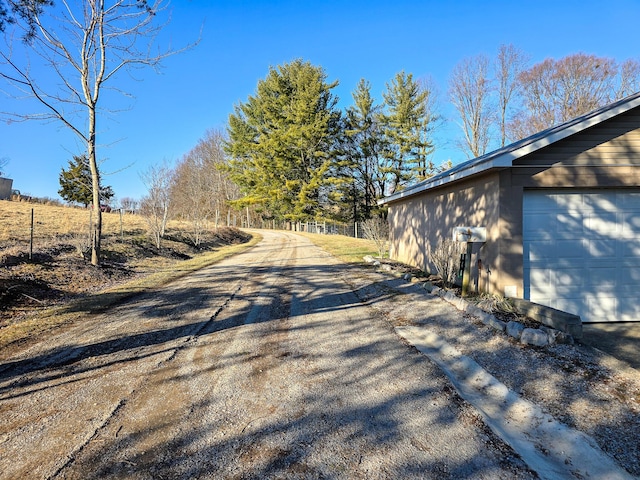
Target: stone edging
538,337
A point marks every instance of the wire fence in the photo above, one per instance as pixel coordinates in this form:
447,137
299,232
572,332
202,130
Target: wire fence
324,228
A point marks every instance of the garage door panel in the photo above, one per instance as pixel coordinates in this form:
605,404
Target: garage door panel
561,252
568,304
569,225
629,201
630,224
602,248
537,227
536,250
567,202
630,249
600,202
588,260
601,307
602,277
567,278
603,225
629,276
631,312
541,203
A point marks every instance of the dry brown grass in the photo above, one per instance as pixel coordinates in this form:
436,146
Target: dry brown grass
51,221
57,286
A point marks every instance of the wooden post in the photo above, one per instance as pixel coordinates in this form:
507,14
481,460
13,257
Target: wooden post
466,275
31,241
121,229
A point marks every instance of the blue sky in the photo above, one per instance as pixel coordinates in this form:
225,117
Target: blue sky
240,40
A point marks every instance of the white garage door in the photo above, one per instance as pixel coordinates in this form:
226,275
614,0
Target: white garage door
582,253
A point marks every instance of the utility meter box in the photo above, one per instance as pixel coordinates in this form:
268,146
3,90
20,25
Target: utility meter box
470,234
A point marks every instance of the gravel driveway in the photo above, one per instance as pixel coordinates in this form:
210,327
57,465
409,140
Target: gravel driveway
266,365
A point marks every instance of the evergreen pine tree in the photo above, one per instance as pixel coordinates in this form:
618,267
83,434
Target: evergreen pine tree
75,183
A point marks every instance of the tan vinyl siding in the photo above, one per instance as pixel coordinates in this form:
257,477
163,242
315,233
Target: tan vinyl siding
429,218
602,156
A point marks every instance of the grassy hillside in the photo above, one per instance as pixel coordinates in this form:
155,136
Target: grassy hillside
59,273
53,221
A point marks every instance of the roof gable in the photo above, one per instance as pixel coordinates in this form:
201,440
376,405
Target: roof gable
504,157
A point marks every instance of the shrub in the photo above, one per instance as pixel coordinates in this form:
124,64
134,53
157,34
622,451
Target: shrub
377,229
444,257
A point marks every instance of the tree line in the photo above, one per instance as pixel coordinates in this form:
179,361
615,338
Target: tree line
197,190
503,99
295,156
290,154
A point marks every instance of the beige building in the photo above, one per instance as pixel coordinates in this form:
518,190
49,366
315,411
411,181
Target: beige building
561,211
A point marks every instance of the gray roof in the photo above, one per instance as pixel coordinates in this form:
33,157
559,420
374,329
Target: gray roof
504,157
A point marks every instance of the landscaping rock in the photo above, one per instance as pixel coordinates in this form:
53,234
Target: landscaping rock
515,329
474,310
386,267
368,259
565,338
494,323
428,286
450,297
534,336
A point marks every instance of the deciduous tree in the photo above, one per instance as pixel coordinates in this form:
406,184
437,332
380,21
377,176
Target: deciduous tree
469,91
79,47
202,191
510,62
155,205
555,91
629,78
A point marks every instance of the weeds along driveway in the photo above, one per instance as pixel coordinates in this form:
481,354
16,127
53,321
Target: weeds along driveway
264,365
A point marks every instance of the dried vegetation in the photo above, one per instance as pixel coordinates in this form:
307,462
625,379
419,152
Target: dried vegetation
59,271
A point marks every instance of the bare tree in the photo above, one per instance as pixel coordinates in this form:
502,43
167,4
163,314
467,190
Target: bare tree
156,204
377,229
510,62
555,91
469,91
79,47
202,191
629,78
129,204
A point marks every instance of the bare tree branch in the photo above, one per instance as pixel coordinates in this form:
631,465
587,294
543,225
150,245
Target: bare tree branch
84,44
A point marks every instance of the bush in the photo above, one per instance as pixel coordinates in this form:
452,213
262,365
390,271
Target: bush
377,229
444,258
